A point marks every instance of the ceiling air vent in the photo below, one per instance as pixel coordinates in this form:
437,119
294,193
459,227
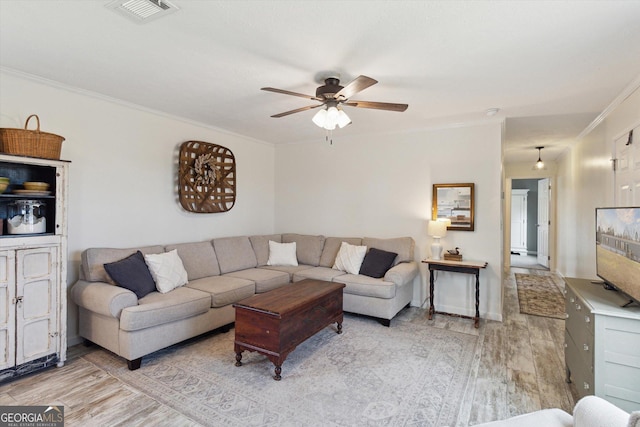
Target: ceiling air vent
142,11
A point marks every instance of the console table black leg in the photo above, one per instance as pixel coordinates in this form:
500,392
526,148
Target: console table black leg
477,319
432,309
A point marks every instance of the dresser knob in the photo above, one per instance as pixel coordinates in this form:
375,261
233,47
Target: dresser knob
572,299
585,347
587,319
586,386
578,307
566,345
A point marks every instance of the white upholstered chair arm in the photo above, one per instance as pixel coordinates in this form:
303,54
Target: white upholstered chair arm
593,411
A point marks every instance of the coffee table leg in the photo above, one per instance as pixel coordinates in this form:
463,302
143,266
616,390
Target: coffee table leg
238,358
278,370
339,327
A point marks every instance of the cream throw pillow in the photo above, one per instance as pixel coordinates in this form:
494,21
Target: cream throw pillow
167,270
350,258
282,254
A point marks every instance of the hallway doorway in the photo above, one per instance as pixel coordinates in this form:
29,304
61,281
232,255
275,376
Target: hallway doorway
530,223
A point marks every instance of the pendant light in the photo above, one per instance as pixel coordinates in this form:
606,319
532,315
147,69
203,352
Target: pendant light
539,165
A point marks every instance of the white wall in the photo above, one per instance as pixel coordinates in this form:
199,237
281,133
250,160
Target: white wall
585,180
123,174
381,186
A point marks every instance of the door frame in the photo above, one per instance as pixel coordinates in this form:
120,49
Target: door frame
506,229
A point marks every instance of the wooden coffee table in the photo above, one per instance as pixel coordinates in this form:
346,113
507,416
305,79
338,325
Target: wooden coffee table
275,322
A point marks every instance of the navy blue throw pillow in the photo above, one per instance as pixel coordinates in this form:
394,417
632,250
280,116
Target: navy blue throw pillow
132,273
377,262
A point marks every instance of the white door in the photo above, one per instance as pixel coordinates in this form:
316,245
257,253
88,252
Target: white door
519,221
543,222
36,322
627,174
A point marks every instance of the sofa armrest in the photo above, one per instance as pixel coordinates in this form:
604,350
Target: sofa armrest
402,273
102,298
594,411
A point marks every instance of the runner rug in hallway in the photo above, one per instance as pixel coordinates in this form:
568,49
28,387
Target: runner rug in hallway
540,296
370,375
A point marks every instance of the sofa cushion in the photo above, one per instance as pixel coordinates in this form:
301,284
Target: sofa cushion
167,270
403,246
308,248
264,279
318,273
377,262
289,269
198,258
234,253
224,290
260,246
157,309
132,273
332,246
94,259
282,254
350,258
357,284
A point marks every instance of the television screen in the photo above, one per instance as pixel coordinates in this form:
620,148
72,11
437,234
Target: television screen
618,249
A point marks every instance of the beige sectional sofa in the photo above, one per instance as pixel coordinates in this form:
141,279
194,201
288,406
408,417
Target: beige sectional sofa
221,272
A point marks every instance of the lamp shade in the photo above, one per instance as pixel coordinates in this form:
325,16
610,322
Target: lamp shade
320,117
437,228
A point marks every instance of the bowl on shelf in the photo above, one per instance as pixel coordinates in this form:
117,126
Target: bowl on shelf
4,183
35,186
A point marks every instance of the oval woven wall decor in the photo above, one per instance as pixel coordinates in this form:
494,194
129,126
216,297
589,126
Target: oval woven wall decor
206,177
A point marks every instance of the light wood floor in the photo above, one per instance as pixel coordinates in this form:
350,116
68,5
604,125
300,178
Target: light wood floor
518,368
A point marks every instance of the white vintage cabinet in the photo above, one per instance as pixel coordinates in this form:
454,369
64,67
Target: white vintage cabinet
33,300
602,343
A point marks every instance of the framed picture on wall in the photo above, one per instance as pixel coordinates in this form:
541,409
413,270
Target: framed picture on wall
454,202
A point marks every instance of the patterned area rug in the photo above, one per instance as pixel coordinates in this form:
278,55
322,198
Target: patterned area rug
540,296
370,375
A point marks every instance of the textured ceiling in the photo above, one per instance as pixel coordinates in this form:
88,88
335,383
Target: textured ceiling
551,67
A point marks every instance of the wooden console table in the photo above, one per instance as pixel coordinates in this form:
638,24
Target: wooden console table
468,267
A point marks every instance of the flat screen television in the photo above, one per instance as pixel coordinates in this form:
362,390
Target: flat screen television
618,249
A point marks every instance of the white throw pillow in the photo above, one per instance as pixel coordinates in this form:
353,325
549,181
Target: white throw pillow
350,258
282,254
167,270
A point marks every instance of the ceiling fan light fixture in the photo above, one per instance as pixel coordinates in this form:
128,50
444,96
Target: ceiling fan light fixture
330,117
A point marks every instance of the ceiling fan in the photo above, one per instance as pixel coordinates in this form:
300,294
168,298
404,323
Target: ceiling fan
332,96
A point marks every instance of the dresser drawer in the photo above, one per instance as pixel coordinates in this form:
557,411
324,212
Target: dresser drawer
580,373
578,314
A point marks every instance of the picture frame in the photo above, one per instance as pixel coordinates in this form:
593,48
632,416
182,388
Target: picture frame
455,202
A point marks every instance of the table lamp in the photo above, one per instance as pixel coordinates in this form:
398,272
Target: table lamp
437,230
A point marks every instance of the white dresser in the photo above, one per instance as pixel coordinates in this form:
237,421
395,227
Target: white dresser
602,343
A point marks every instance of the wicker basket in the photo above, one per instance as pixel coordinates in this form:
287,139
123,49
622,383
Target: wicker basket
34,143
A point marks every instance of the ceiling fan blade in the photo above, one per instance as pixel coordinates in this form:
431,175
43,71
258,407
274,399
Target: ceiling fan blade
286,113
377,105
286,92
356,85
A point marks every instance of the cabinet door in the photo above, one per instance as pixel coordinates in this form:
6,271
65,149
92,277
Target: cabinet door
7,309
36,320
